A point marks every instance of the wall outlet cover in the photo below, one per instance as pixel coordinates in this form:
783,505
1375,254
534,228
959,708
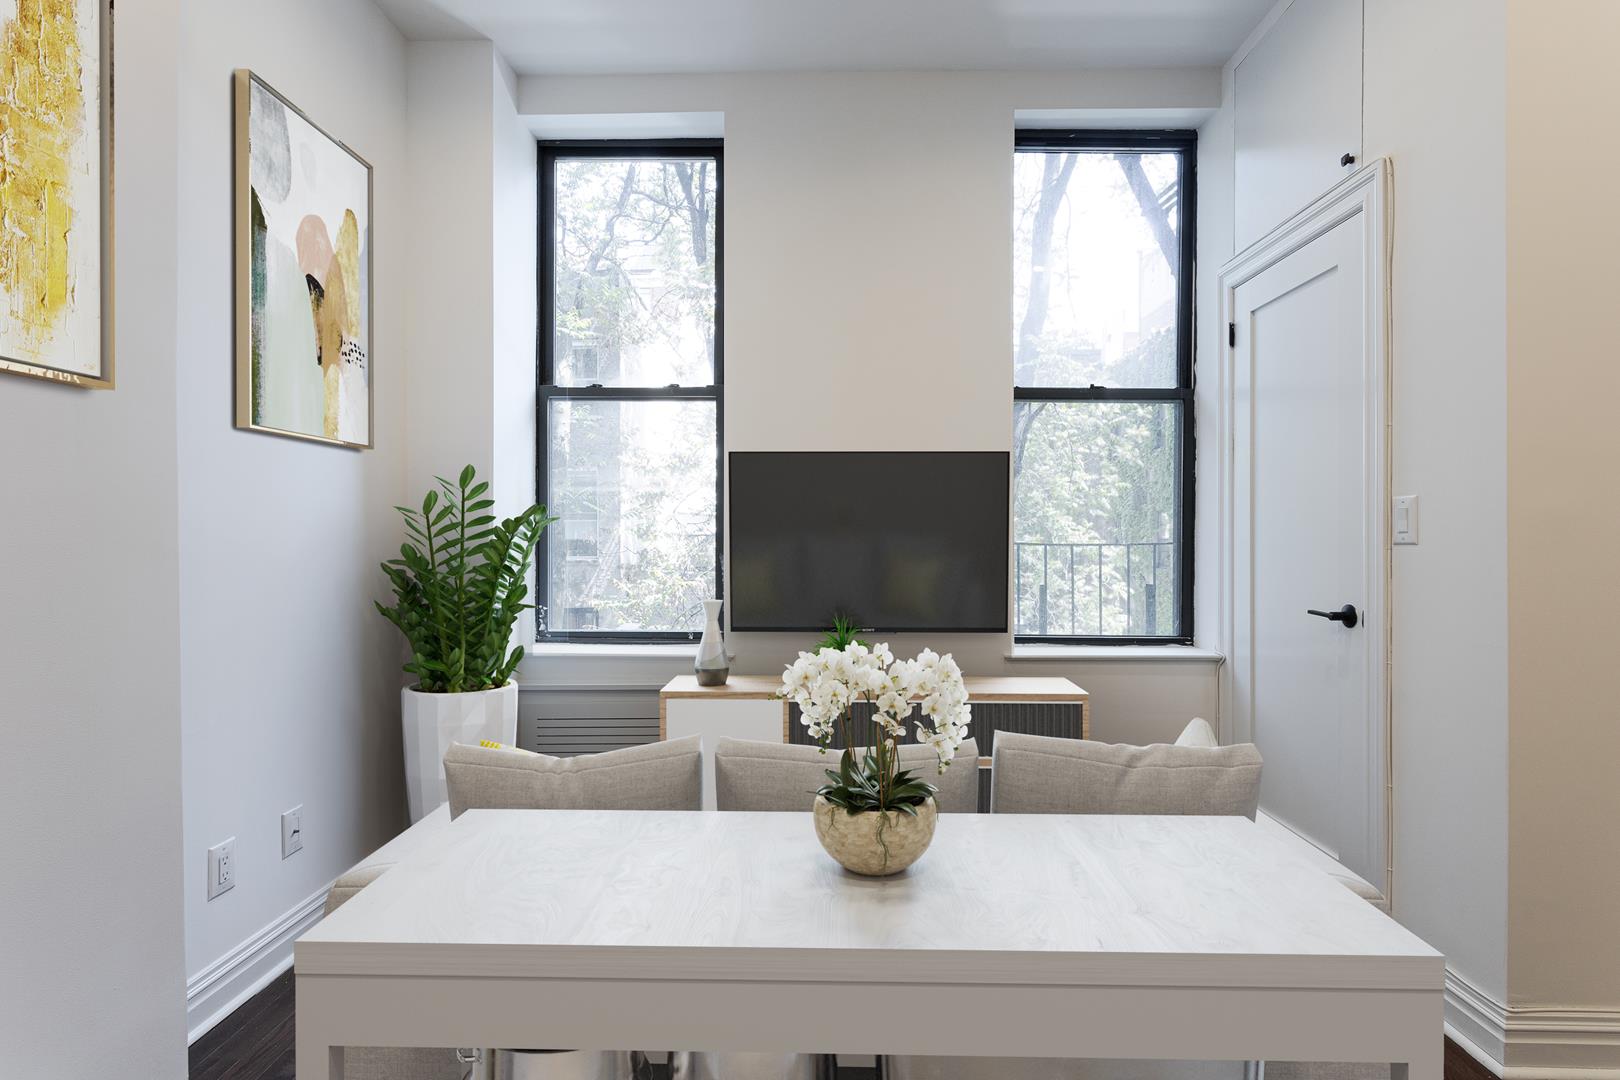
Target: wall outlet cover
221,867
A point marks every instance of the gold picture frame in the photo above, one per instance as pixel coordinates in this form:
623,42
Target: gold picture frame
336,346
104,376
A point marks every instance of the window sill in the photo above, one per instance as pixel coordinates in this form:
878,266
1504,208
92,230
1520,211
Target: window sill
614,649
1163,653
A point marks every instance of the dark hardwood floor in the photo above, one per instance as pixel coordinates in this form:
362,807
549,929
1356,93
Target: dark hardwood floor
253,1043
256,1043
1460,1065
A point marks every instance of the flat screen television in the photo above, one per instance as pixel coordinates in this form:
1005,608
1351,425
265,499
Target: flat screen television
895,541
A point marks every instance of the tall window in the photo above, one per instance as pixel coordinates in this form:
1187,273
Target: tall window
630,376
1103,378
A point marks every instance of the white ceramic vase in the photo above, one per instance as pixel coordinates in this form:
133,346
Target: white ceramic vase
434,721
713,664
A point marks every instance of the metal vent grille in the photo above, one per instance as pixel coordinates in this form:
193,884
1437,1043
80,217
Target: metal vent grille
565,738
1058,719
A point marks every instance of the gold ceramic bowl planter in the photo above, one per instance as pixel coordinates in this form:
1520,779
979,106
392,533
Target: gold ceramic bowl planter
874,843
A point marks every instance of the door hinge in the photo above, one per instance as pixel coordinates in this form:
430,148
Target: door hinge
1231,334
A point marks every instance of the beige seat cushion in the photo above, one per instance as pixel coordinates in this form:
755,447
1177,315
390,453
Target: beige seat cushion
349,885
1035,774
987,1068
371,867
1330,866
387,1062
781,776
656,776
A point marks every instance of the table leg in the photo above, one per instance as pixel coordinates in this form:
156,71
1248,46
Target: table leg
1428,1064
315,1058
315,1062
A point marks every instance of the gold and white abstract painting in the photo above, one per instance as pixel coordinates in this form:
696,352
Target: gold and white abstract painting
53,131
303,275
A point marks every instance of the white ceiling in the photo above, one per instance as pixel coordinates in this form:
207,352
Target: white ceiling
584,37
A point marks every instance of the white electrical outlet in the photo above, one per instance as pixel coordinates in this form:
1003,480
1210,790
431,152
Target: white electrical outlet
221,867
292,830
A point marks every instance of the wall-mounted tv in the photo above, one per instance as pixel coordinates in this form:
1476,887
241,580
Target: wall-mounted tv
896,541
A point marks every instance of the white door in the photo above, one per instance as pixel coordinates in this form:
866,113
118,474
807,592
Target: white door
1307,387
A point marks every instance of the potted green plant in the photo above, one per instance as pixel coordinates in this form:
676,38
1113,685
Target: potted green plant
460,582
872,816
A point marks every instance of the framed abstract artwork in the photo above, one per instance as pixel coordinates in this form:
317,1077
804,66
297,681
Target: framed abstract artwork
56,191
303,275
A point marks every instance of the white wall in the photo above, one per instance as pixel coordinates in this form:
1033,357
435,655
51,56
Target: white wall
1434,94
1563,526
868,302
471,278
91,953
1434,105
450,261
514,184
1298,98
289,678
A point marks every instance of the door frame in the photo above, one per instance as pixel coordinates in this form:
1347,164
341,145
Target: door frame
1365,194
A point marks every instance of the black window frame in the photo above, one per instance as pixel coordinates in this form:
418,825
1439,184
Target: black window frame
547,391
1185,144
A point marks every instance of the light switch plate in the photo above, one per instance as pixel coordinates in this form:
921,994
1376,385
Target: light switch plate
1405,519
292,831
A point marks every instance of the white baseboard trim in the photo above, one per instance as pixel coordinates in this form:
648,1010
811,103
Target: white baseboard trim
1476,1021
219,989
1531,1043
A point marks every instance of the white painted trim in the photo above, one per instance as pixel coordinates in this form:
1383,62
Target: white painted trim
1530,1042
220,988
537,688
664,125
1366,194
1475,1020
1258,34
1111,119
612,649
1104,653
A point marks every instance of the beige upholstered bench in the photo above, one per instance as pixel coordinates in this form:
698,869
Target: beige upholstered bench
382,1062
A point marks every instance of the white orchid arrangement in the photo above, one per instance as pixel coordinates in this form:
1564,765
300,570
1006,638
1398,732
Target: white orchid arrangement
826,683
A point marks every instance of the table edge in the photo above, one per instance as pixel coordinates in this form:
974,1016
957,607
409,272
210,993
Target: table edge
900,966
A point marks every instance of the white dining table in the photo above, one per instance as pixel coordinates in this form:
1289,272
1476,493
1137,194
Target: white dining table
1199,938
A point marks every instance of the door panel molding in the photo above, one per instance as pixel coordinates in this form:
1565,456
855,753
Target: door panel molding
1363,197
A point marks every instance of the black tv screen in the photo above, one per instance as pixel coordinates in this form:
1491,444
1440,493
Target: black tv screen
895,541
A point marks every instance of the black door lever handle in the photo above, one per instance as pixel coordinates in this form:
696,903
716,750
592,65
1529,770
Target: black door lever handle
1346,615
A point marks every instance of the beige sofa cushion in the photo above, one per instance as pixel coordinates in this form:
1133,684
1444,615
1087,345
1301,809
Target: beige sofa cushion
656,776
781,776
1198,733
1035,774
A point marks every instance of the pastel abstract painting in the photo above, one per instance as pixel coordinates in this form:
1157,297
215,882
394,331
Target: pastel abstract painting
303,275
52,199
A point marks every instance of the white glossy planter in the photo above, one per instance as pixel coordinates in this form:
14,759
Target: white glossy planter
434,721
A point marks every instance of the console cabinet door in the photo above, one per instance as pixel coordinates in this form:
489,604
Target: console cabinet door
1297,112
